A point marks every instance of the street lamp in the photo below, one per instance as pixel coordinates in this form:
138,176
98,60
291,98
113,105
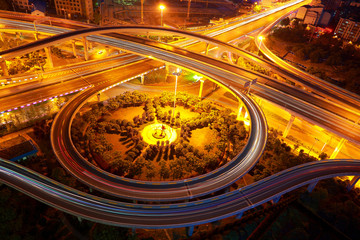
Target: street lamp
313,145
188,10
142,12
64,12
177,73
162,7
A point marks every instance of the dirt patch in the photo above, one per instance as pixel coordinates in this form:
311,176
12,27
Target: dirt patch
185,114
126,113
201,137
119,146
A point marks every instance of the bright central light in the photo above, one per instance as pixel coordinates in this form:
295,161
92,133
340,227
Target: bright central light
260,38
162,7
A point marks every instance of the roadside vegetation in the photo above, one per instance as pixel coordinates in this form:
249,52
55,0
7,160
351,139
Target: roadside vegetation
323,50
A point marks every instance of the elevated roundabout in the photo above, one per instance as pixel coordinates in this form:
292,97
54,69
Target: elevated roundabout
161,215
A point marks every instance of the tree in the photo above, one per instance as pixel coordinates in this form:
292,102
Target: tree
164,170
285,22
323,156
150,170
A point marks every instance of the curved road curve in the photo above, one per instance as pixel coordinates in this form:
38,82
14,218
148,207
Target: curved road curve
170,215
222,177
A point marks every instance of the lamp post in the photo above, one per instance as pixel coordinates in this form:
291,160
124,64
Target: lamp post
313,145
162,7
188,10
142,12
177,73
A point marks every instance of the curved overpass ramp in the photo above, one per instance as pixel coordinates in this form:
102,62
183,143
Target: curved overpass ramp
222,177
170,215
329,115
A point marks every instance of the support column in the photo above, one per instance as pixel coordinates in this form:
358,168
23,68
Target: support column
239,215
288,127
4,67
338,148
230,57
90,45
166,71
352,183
207,48
276,199
201,88
86,54
48,57
311,186
239,111
36,36
74,48
2,36
190,231
79,219
142,79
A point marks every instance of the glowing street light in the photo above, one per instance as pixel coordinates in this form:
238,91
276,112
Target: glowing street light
162,7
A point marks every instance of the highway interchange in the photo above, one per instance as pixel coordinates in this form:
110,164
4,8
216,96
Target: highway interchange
193,212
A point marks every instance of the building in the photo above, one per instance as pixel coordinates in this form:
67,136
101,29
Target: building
332,4
348,30
23,5
75,9
313,15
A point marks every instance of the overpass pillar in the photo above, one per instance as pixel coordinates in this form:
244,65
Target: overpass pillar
239,111
239,215
230,58
190,231
276,199
311,186
73,48
207,48
352,183
288,127
4,67
166,71
86,53
201,88
48,57
36,36
338,148
2,36
142,79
